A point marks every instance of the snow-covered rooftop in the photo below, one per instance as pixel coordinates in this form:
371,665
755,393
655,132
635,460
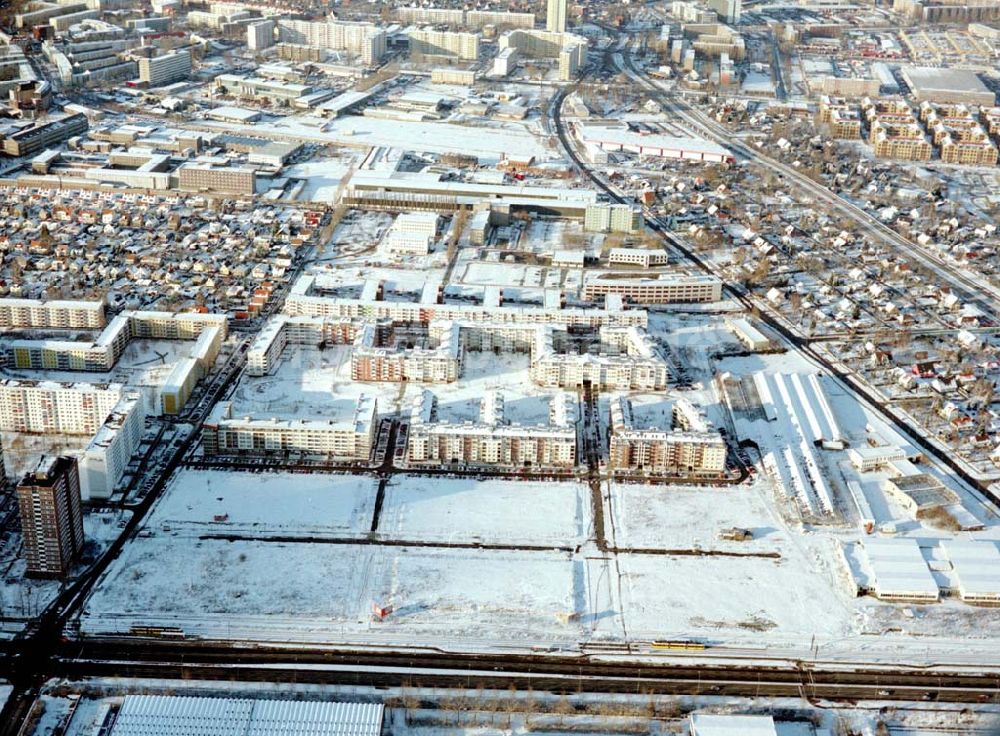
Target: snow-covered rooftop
164,715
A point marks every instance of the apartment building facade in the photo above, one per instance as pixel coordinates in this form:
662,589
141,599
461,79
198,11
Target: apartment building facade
674,453
492,441
663,290
51,518
349,440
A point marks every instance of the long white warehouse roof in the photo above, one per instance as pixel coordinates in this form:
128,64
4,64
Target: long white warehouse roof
899,569
709,725
977,567
163,715
615,136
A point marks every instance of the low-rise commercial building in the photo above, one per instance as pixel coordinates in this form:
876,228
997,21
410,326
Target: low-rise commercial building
641,257
947,85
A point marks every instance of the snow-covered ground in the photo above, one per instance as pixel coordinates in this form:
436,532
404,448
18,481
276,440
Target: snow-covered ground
262,504
490,144
469,510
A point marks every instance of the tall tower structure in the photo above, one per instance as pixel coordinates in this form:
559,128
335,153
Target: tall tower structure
51,520
556,19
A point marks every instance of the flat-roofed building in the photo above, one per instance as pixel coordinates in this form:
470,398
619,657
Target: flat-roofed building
173,66
105,458
641,257
947,85
665,289
567,49
42,407
51,519
692,450
732,725
58,314
492,441
610,138
303,300
365,40
169,715
844,119
432,42
607,217
260,35
441,362
344,440
921,494
899,570
29,138
976,565
222,179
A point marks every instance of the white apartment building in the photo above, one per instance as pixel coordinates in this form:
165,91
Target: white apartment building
350,439
628,361
362,39
492,441
555,19
56,314
174,66
282,330
606,217
302,301
412,233
441,363
45,407
470,19
568,49
437,16
432,42
503,18
107,455
260,35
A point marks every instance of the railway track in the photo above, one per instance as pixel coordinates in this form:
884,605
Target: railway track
557,674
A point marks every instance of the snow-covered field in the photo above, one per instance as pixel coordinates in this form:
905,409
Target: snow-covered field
467,510
260,504
490,144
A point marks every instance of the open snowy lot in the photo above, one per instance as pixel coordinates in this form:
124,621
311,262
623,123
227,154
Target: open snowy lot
490,144
324,592
683,518
731,600
491,511
261,504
